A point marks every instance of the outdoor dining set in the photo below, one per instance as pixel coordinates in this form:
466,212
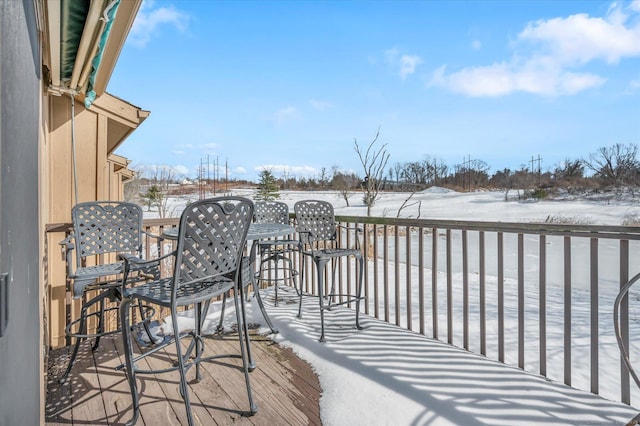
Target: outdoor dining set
222,246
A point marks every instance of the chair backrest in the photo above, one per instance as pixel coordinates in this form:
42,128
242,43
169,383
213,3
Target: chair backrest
211,238
272,212
315,216
106,227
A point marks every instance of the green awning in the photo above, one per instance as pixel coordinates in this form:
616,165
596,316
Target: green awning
84,28
73,14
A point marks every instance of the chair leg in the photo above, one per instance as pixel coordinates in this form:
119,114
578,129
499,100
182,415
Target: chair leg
359,292
125,306
198,317
184,390
224,303
76,346
291,271
82,333
302,268
275,272
274,330
145,324
253,408
100,330
320,265
245,326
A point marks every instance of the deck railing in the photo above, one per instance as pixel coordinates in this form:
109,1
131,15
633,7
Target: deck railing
537,296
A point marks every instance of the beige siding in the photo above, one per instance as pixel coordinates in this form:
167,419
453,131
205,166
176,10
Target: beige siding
100,176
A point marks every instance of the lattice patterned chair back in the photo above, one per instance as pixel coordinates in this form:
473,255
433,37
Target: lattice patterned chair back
317,217
272,212
211,239
102,227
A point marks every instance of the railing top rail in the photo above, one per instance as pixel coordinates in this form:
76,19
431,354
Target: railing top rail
600,231
588,231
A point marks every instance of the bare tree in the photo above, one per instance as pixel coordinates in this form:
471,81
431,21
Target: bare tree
344,183
323,179
132,186
405,205
569,174
615,165
161,178
478,172
373,162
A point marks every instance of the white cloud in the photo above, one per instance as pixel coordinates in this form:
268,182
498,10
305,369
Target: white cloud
319,105
580,38
284,115
476,45
181,170
211,145
177,152
239,170
408,64
280,169
150,18
501,79
551,55
405,64
392,55
151,170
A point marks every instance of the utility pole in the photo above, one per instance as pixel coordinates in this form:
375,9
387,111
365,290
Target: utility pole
200,180
539,161
466,171
215,168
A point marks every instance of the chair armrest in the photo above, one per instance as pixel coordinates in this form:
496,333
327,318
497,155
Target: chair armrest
156,236
146,268
134,262
68,242
310,235
357,230
68,247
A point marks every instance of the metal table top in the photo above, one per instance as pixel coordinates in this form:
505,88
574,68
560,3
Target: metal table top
257,231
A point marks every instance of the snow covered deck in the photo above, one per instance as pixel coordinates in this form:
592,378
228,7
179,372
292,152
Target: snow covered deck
380,375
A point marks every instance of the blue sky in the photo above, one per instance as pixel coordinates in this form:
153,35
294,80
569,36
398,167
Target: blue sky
289,85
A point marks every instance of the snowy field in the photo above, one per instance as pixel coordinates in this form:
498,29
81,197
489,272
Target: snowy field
438,203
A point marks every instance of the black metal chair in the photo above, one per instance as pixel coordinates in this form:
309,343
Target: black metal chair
276,255
207,264
107,229
318,230
623,343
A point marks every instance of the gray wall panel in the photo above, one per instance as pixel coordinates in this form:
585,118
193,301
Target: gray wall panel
19,121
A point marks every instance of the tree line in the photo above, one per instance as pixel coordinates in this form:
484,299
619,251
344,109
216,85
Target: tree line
614,167
610,168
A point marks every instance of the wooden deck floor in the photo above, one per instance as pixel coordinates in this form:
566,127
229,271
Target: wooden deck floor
284,387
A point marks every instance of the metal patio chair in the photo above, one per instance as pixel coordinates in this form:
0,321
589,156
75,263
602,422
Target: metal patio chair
276,255
104,229
622,345
318,231
207,264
